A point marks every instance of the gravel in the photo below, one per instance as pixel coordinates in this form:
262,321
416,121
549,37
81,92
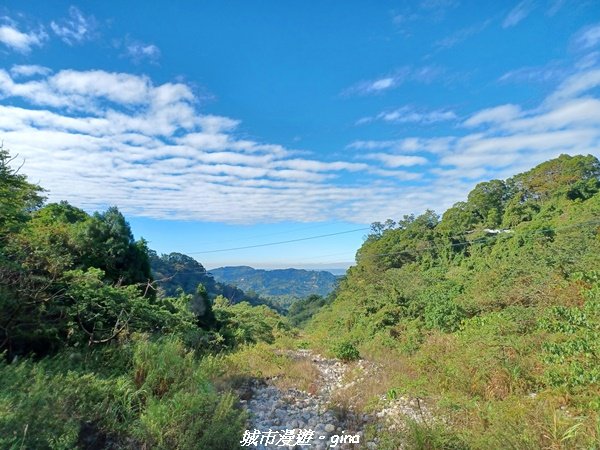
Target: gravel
279,410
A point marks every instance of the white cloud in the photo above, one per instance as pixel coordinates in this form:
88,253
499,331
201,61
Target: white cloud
589,37
588,60
20,41
584,54
76,28
139,51
377,85
437,5
396,160
322,166
424,10
461,35
406,145
409,114
550,72
97,138
509,138
582,112
29,70
218,124
117,87
566,118
497,114
576,85
518,13
383,83
90,91
424,74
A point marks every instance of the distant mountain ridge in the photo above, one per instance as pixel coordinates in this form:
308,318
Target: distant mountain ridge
176,270
277,283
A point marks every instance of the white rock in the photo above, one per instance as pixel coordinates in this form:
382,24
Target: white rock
330,428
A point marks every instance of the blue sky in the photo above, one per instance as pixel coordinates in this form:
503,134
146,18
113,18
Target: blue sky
216,125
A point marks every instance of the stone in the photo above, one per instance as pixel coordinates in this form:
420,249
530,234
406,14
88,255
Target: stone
293,409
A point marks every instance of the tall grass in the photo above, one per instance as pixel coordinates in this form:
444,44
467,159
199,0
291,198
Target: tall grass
156,396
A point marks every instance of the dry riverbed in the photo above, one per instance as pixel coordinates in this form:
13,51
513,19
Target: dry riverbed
285,417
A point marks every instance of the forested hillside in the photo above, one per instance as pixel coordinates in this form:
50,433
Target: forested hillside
176,271
487,318
284,286
489,313
93,354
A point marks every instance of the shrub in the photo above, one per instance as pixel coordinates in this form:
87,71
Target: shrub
346,351
392,394
444,316
183,410
159,398
43,409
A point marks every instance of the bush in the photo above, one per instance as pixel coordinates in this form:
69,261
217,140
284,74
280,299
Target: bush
444,316
41,409
346,351
242,323
183,410
157,396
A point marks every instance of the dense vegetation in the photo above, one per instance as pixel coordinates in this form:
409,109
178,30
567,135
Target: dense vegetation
93,353
301,311
490,313
282,287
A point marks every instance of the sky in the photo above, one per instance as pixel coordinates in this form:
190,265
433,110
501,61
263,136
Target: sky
219,127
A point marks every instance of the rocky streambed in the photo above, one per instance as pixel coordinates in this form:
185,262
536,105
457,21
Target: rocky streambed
310,417
292,418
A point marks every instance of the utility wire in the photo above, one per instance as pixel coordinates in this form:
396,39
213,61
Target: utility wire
256,236
278,243
451,245
482,239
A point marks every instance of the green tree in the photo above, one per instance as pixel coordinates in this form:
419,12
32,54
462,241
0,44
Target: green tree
111,247
487,200
202,307
18,197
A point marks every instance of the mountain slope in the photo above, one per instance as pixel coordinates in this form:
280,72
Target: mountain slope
491,312
277,283
176,270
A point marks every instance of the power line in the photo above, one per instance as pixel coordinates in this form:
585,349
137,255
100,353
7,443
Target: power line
481,240
248,238
278,243
430,247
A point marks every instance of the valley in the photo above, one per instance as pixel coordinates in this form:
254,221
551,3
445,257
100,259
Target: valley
443,335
